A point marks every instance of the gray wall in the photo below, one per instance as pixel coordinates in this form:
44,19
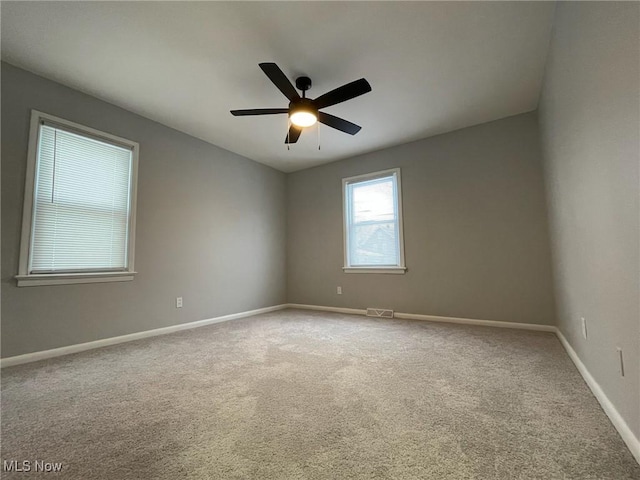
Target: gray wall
210,228
475,228
589,116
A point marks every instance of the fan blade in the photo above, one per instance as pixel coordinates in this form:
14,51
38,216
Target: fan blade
343,93
338,123
294,134
259,111
280,80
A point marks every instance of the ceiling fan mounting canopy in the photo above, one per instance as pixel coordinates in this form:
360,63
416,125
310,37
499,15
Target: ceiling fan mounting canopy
303,83
303,111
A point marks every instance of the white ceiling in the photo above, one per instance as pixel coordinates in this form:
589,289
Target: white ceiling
433,66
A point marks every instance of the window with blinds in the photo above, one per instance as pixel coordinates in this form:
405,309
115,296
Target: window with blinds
373,236
81,213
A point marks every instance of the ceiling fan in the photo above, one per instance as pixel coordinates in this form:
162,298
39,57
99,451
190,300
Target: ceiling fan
304,112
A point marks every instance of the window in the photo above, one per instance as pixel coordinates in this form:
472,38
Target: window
373,240
79,211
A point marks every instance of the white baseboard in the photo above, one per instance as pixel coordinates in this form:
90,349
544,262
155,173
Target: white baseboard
618,422
80,347
350,311
473,321
432,318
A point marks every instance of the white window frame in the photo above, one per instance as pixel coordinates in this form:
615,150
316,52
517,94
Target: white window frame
396,269
26,279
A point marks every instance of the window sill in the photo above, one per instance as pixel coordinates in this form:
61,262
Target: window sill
392,270
71,278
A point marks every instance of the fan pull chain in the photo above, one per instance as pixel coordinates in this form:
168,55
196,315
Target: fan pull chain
288,130
318,135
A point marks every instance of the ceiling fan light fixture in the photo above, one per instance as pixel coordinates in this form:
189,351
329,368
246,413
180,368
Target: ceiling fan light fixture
303,118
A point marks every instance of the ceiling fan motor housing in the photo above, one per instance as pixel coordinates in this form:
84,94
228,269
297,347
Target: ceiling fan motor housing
302,105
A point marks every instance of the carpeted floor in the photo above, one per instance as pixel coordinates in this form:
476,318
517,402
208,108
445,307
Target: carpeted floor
309,395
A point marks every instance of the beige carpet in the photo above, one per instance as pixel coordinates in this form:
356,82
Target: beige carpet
307,395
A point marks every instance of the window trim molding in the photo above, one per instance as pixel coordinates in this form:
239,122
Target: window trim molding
391,269
24,278
38,279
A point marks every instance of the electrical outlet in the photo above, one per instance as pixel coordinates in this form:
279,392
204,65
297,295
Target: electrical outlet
178,302
621,360
584,327
339,290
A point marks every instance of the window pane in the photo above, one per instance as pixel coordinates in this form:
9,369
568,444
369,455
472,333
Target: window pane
374,244
373,200
81,217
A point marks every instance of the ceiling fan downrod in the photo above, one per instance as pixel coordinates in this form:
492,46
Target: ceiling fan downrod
303,84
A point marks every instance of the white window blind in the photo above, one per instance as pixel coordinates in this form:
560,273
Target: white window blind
82,199
372,222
